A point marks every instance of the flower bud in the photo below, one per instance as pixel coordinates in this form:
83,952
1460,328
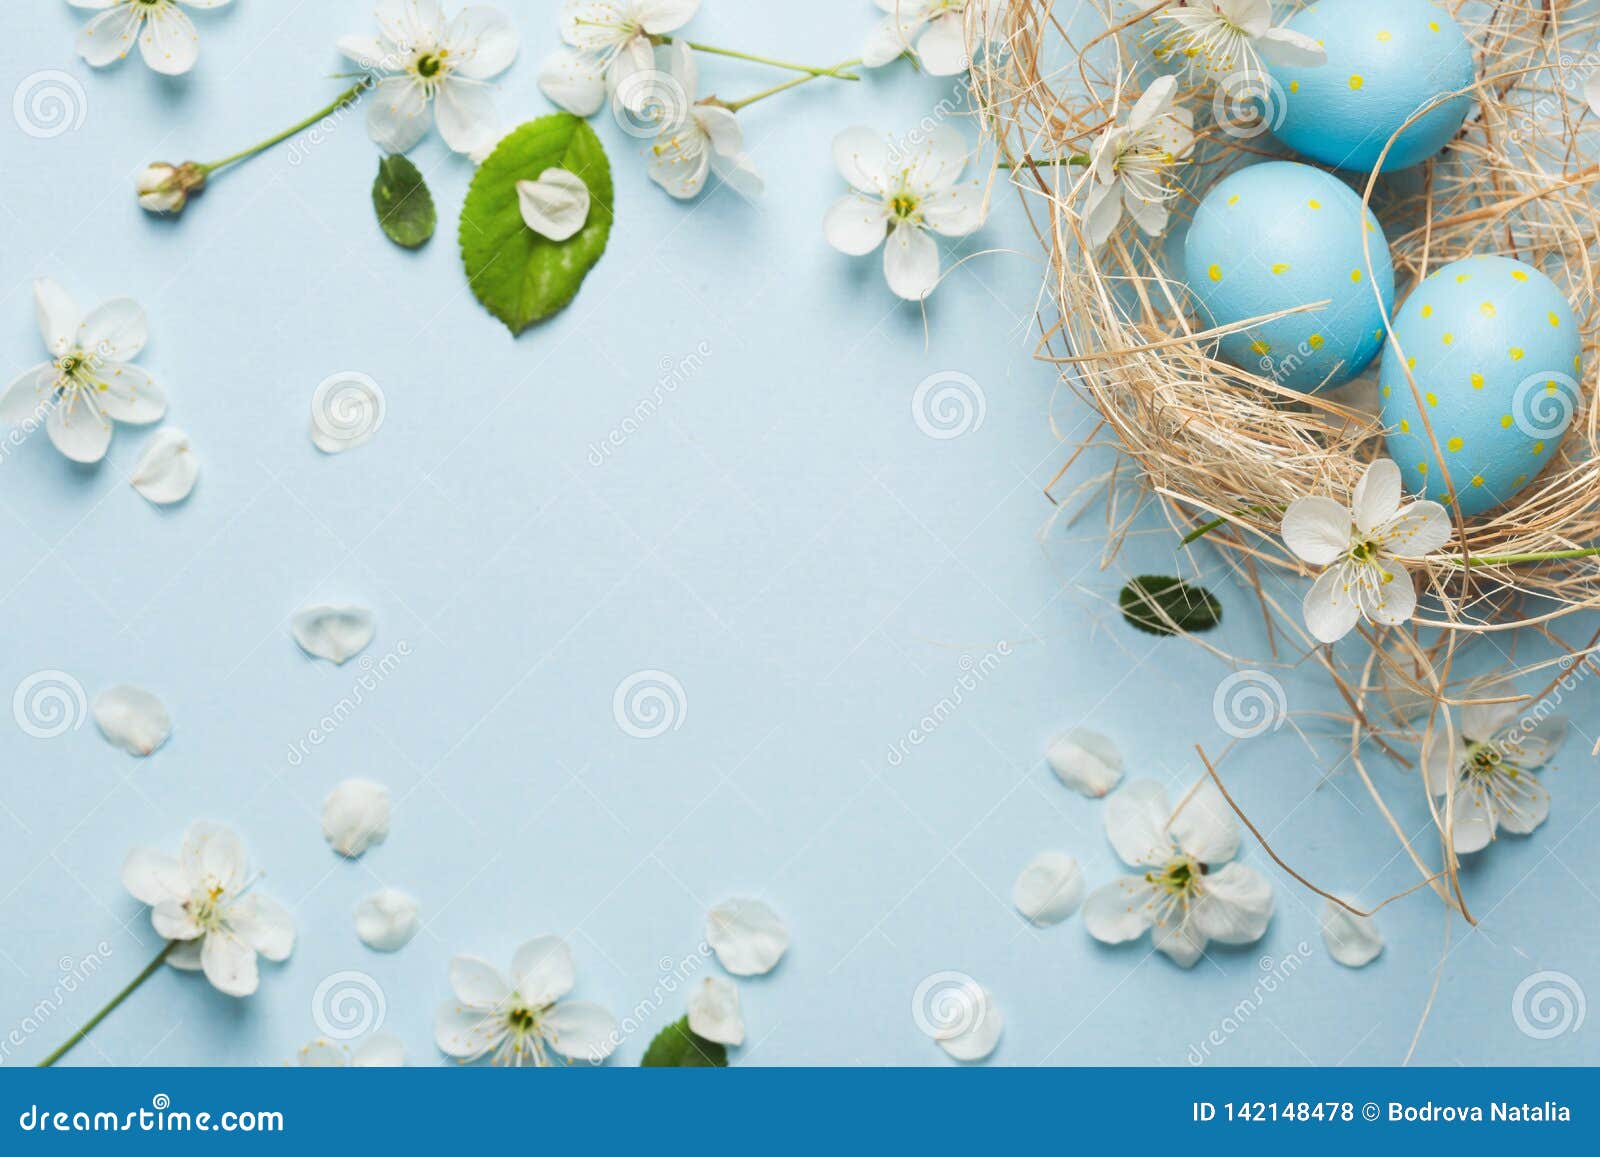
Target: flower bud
164,188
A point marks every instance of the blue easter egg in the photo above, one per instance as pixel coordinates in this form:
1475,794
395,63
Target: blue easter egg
1386,60
1278,235
1495,352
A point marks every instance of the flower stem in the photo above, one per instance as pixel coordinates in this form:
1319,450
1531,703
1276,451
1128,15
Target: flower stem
836,71
1031,163
736,105
1542,556
88,1025
347,97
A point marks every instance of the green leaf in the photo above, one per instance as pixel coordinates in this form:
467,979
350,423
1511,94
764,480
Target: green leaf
404,205
678,1047
519,276
1149,602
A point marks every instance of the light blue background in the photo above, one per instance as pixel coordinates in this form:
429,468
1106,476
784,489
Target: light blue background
781,537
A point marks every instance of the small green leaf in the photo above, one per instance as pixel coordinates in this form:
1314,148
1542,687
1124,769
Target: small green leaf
404,205
1149,602
678,1047
519,276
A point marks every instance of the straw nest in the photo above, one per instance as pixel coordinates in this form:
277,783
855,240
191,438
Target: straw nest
1224,450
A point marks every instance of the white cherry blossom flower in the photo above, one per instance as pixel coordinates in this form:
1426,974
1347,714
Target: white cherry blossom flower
1189,894
167,37
608,43
1130,165
90,383
1221,37
937,32
202,898
1363,545
1489,768
437,69
381,1050
521,1021
901,197
705,139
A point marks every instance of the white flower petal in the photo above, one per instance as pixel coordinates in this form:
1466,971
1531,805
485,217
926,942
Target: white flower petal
1353,941
213,857
1539,743
263,924
1105,212
1136,824
114,331
167,469
484,41
1532,808
229,964
957,211
335,633
1418,531
1119,911
169,42
937,165
1049,889
322,1053
1377,496
468,1033
172,920
1473,827
1331,609
1389,595
1153,102
397,114
186,956
1086,761
747,935
911,262
574,81
78,429
979,1040
467,116
541,970
29,397
57,315
131,718
942,49
855,224
355,815
1234,907
889,39
477,983
556,205
109,36
129,394
1181,941
1206,827
661,16
387,920
714,1011
152,877
1317,529
863,159
581,1031
1285,46
381,1050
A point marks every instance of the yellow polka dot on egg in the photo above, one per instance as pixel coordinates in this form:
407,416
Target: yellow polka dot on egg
1463,278
1385,36
1261,347
1454,445
1554,320
1427,311
1315,341
1518,275
1538,447
1477,381
1505,421
1516,353
1233,200
1433,26
1356,82
1487,309
1433,398
1477,479
1405,426
1355,275
1216,272
1315,204
1294,86
1422,467
1411,363
1520,479
1449,339
1280,267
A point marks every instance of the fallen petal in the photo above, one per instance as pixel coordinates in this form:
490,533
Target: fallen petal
334,633
556,205
1086,761
1049,889
1354,941
355,816
167,469
747,935
714,1011
387,920
133,719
